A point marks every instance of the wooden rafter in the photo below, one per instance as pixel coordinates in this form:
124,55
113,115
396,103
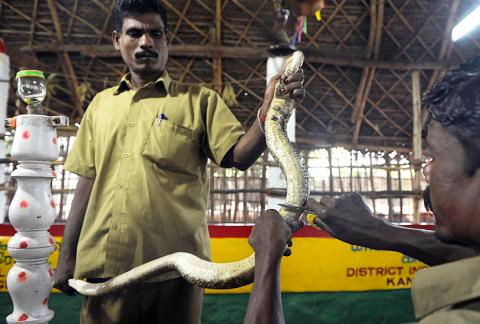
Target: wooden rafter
25,16
252,20
65,58
217,61
185,19
200,51
325,94
446,40
103,7
415,36
366,71
99,39
179,21
34,18
189,72
368,75
268,29
355,29
408,25
72,18
226,24
417,140
318,103
334,48
80,19
331,17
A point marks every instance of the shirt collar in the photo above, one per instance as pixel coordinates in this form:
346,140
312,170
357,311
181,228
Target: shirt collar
445,285
163,81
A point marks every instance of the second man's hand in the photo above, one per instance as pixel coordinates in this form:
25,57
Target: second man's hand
271,235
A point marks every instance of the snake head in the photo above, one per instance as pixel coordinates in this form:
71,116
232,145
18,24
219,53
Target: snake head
294,63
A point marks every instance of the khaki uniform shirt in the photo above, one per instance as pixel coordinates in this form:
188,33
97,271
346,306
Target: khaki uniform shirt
147,151
442,294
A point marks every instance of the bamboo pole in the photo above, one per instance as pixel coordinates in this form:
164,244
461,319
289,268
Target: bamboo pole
372,184
417,143
389,189
218,43
329,150
399,173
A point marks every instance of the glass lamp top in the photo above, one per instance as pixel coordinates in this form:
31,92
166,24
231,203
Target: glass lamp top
31,86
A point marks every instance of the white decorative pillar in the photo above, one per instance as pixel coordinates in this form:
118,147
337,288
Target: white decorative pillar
275,177
4,87
32,210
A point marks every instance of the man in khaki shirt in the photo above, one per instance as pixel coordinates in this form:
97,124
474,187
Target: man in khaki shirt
447,293
141,154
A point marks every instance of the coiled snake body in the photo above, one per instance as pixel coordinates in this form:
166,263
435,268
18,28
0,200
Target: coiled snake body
235,274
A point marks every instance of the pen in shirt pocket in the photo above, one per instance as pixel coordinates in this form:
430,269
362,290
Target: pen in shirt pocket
161,116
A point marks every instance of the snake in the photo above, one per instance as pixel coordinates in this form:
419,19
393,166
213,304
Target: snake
207,274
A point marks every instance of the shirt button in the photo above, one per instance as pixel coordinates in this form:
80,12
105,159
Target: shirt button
131,124
119,186
114,227
126,155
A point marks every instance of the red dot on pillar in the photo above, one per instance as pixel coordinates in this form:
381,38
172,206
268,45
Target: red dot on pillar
24,204
23,244
45,301
22,276
23,317
26,135
52,204
54,141
51,240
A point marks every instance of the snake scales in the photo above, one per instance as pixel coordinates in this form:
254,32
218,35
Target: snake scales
235,274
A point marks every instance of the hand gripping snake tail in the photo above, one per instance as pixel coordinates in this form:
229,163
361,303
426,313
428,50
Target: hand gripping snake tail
235,274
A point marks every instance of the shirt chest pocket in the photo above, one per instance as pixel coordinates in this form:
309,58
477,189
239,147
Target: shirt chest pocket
172,146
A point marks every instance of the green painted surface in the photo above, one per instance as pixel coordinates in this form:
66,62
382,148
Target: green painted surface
326,308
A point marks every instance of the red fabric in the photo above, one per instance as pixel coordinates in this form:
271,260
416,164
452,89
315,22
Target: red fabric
216,231
3,49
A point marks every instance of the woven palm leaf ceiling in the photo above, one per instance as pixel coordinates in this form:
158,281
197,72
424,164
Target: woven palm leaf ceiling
359,57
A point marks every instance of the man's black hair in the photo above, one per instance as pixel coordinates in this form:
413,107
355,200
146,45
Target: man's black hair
134,8
454,102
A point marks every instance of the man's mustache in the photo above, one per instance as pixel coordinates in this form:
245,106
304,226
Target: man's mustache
146,54
426,199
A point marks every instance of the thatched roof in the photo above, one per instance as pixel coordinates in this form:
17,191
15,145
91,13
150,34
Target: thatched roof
359,57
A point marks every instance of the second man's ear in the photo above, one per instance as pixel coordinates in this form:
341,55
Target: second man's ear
168,35
115,38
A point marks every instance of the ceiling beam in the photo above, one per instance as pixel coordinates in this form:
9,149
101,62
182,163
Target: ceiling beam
202,51
377,143
34,18
446,40
217,60
65,58
368,76
356,113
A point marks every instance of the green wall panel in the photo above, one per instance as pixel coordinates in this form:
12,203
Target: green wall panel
327,308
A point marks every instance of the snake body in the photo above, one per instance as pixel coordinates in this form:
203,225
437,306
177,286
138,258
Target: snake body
235,274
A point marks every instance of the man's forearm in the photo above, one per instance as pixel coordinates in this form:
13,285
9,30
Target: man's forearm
265,303
422,245
248,149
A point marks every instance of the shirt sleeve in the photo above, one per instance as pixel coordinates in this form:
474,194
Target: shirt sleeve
223,129
81,158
